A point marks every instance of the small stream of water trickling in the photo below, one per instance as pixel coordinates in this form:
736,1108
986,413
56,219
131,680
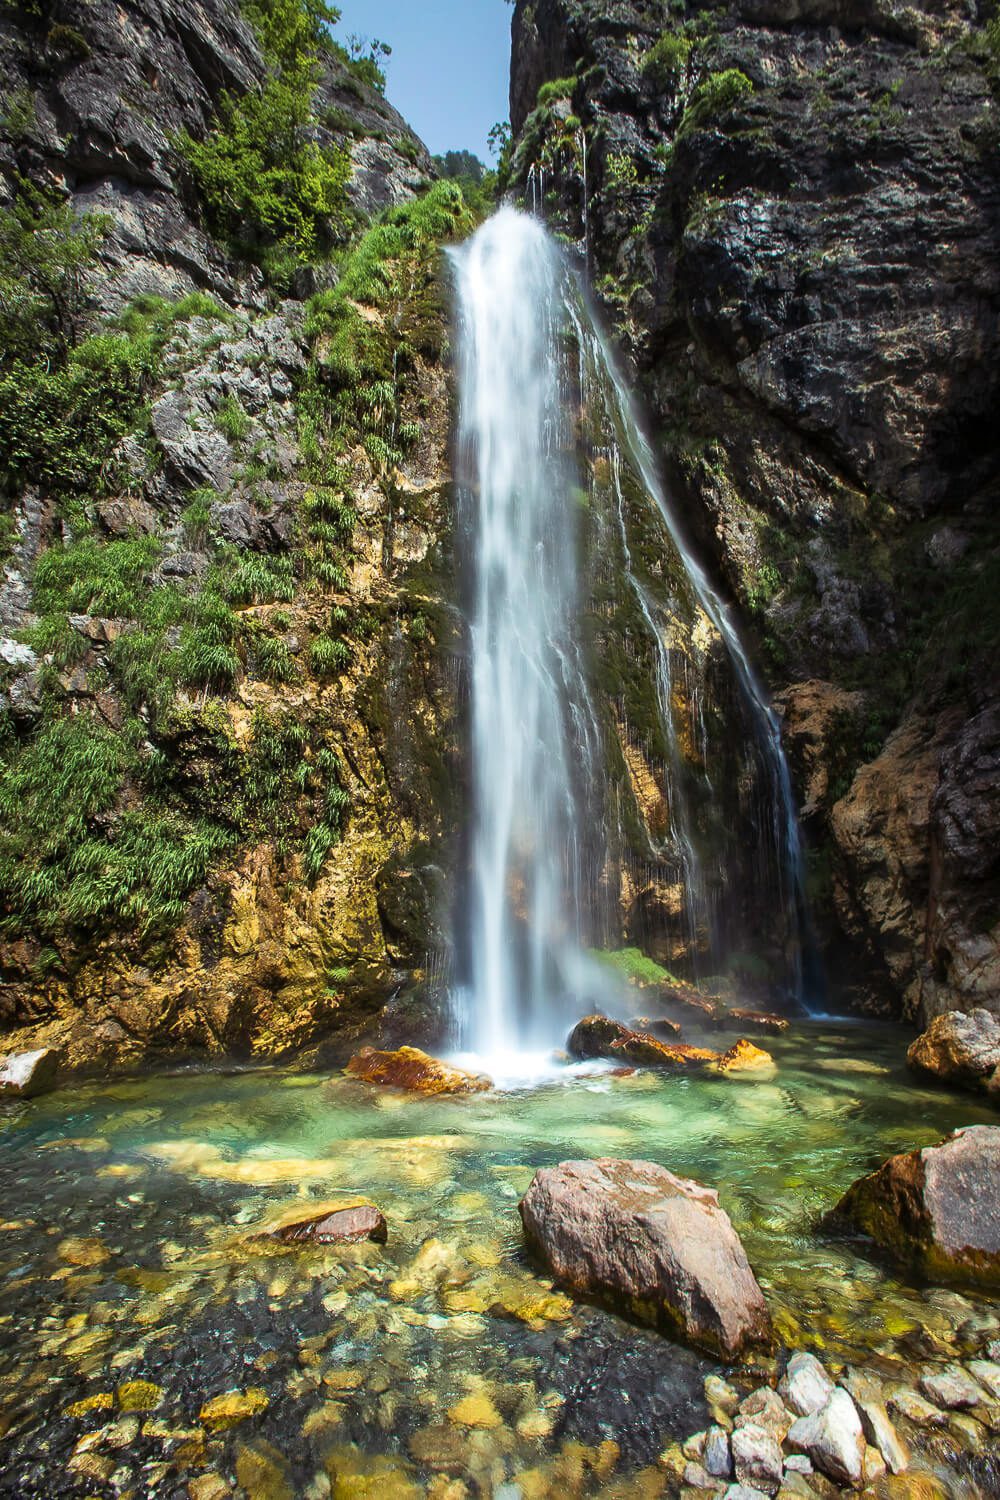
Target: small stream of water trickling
541,841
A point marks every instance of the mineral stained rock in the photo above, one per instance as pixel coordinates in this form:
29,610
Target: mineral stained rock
409,1068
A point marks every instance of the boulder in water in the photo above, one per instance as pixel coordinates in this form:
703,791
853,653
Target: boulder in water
327,1224
29,1073
409,1068
651,1244
744,1057
600,1036
958,1047
936,1209
758,1020
660,1026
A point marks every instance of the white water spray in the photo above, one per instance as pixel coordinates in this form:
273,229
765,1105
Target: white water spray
539,848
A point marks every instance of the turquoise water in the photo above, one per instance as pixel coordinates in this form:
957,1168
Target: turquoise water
125,1254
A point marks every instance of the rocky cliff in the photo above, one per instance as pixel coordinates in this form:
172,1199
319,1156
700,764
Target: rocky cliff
228,708
789,212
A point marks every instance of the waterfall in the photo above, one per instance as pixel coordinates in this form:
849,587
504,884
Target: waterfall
601,786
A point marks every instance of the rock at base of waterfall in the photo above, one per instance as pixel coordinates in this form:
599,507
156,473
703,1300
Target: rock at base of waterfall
651,1244
833,1438
327,1224
600,1036
29,1073
758,1020
936,1209
744,1057
805,1385
419,1073
958,1047
660,1026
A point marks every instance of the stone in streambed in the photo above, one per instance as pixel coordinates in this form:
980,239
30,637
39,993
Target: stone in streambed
876,1423
757,1020
327,1224
26,1074
600,1036
419,1073
652,1244
952,1388
958,1047
805,1385
744,1057
757,1458
936,1209
833,1438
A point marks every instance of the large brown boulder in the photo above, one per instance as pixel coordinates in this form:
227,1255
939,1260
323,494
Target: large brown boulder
958,1047
409,1068
600,1036
651,1244
937,1210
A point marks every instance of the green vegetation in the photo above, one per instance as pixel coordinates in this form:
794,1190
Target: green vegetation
668,62
268,189
633,965
47,256
715,95
555,89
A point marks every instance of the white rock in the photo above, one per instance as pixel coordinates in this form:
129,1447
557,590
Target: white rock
716,1456
757,1458
742,1492
805,1385
28,1073
876,1423
698,1477
952,1388
15,654
987,1372
798,1463
833,1439
913,1406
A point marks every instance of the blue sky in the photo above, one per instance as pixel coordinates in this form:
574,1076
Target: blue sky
448,71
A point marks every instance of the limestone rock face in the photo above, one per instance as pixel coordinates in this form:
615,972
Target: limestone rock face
958,1047
826,412
409,1068
653,1244
936,1209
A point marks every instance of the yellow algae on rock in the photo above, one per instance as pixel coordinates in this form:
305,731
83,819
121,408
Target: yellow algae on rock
83,1252
232,1407
139,1395
343,1380
353,1476
263,1472
208,1487
100,1401
475,1411
744,1057
537,1424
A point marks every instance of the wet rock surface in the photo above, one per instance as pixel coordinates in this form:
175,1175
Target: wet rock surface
655,1244
775,266
328,1224
25,1074
409,1068
939,1208
959,1047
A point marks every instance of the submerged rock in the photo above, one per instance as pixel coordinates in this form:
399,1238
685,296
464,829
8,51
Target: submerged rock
29,1073
327,1224
653,1244
600,1036
409,1068
937,1209
958,1047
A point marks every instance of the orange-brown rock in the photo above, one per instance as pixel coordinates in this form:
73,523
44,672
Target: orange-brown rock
654,1245
409,1068
958,1047
744,1057
327,1224
688,1002
600,1036
937,1209
759,1020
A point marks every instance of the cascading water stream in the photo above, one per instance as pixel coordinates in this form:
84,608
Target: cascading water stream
543,850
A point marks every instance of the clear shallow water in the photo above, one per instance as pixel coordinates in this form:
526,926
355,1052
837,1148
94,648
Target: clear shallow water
124,1255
